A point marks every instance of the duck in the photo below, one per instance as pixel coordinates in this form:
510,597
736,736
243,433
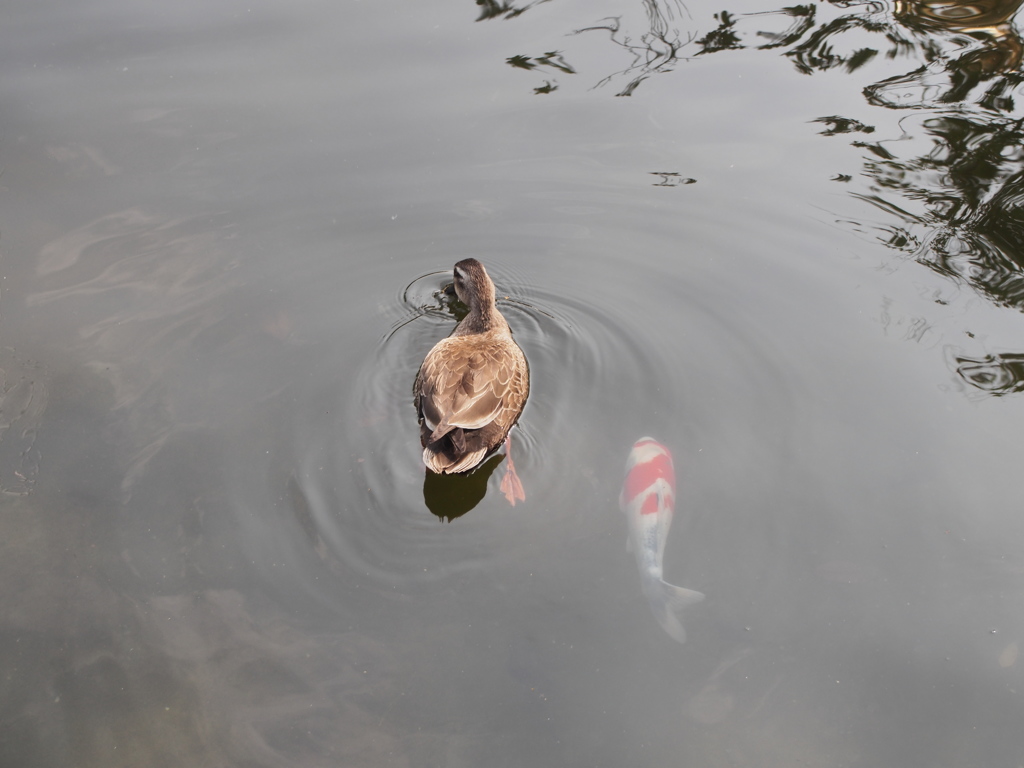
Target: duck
472,386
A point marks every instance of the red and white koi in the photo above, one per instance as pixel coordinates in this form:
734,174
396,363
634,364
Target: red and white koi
648,499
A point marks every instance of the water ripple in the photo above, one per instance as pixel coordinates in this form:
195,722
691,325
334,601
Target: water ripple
603,372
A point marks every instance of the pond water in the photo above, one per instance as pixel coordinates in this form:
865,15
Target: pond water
784,241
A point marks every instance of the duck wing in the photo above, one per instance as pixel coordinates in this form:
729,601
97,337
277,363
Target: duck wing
464,386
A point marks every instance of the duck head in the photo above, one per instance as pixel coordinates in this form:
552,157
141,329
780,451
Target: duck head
473,285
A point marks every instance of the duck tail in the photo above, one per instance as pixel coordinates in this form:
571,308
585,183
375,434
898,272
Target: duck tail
444,463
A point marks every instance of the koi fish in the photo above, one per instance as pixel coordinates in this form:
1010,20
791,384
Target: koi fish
648,500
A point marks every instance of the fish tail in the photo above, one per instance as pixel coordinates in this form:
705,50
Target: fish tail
668,603
680,597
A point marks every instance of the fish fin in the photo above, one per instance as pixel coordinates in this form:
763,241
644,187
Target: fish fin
680,597
673,600
671,624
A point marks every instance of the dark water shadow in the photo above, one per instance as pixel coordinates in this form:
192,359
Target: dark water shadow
451,496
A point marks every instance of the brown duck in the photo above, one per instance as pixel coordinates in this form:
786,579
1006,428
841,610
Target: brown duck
472,386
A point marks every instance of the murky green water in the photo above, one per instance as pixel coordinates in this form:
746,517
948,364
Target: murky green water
785,241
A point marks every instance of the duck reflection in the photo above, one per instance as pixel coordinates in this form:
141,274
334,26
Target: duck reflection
452,496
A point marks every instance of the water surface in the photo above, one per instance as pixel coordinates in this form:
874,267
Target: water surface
782,240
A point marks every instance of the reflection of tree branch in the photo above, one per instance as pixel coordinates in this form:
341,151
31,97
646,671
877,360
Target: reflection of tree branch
971,187
724,38
838,125
945,82
817,52
995,374
671,179
493,9
657,49
553,59
803,20
958,208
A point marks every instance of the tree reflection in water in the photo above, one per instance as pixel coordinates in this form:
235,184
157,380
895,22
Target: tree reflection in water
655,51
994,374
496,9
952,193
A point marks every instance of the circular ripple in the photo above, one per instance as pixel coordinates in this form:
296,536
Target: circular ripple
603,373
